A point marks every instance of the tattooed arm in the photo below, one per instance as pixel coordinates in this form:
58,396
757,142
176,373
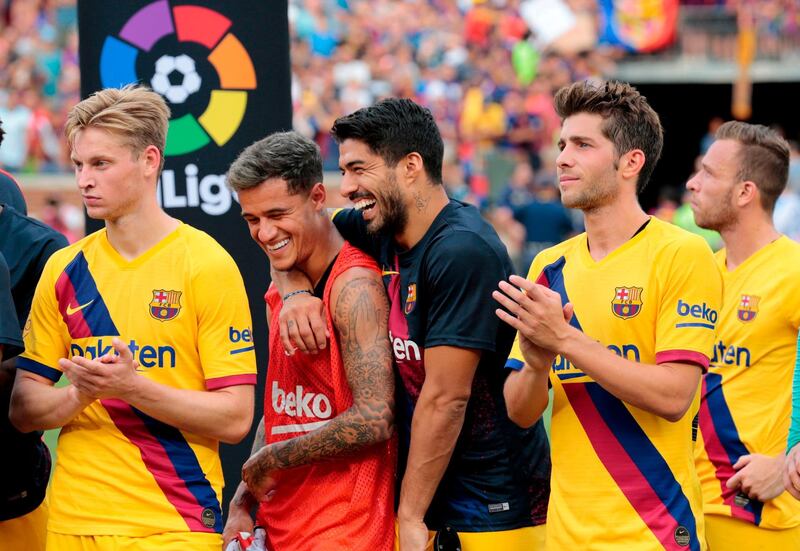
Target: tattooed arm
360,316
240,509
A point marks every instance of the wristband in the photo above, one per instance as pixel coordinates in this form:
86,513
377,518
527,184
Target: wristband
298,292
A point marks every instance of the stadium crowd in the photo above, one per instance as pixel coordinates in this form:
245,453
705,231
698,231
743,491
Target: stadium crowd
486,76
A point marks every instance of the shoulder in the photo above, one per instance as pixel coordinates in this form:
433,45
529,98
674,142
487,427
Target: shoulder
204,251
565,248
29,230
548,256
670,236
670,240
463,232
356,291
62,257
356,279
787,255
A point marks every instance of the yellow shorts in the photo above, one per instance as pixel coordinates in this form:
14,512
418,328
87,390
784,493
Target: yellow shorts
530,538
170,541
729,534
26,532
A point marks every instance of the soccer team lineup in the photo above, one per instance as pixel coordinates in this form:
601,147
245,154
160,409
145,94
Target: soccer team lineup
630,389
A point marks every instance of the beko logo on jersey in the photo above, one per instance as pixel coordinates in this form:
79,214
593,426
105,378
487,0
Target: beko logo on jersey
235,335
405,349
300,403
147,355
699,312
731,355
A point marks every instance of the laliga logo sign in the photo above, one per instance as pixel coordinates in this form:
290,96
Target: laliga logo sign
196,24
175,76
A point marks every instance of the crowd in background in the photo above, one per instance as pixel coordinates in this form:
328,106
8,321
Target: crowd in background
487,69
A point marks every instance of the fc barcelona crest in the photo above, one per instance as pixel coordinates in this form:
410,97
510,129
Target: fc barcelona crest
411,298
627,301
748,308
166,305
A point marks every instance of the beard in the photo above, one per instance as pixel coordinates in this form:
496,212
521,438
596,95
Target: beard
393,214
599,193
719,217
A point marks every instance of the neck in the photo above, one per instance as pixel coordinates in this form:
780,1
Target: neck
134,233
328,246
426,202
746,237
610,226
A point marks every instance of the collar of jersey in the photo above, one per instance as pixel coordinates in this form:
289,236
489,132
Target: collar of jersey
590,262
722,256
122,263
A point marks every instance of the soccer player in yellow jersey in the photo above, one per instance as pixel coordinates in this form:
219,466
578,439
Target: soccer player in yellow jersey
746,394
619,321
149,321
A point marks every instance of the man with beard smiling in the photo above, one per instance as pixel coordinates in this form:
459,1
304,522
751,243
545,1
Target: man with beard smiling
744,416
466,471
619,321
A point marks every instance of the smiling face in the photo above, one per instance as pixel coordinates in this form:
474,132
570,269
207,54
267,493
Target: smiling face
372,187
112,179
714,186
286,226
587,164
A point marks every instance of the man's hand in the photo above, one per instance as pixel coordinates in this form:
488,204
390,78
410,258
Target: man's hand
256,474
413,535
791,472
111,376
537,313
758,476
239,520
302,324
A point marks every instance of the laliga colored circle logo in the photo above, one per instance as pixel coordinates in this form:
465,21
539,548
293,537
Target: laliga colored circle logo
226,106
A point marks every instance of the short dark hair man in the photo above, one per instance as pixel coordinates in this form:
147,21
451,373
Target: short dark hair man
620,321
325,442
464,467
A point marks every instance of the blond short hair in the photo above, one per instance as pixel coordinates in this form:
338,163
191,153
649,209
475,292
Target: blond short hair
135,113
763,158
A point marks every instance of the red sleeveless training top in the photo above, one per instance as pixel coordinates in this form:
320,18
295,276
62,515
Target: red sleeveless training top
345,503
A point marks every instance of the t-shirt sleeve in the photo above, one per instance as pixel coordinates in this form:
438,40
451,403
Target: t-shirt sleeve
353,228
461,272
10,334
691,294
43,333
515,359
225,339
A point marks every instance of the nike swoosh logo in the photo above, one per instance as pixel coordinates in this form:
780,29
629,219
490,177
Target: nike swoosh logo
71,310
389,272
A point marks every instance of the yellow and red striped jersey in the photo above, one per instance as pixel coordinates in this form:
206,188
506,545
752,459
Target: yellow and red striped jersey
747,392
624,478
182,309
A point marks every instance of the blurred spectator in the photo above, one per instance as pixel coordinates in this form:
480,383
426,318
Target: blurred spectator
520,190
62,218
787,209
546,221
668,202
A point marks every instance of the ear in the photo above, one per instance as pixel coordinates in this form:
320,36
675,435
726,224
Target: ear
631,163
746,193
412,167
318,195
152,159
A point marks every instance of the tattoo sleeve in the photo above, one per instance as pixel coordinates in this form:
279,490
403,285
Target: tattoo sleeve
361,316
